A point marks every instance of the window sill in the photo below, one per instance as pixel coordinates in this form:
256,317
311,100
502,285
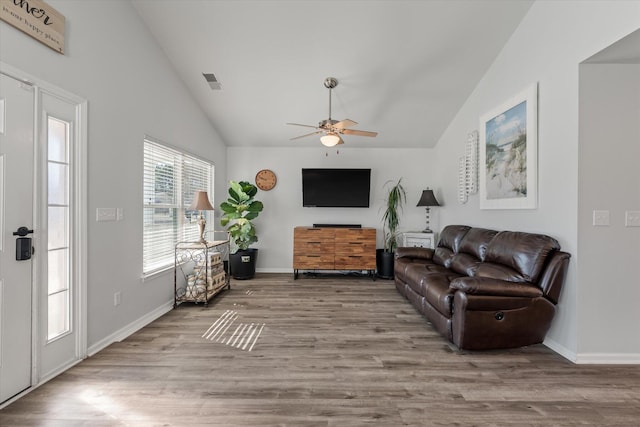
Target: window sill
154,273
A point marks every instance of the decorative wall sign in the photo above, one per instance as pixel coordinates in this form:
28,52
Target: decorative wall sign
37,19
468,169
471,157
462,180
509,153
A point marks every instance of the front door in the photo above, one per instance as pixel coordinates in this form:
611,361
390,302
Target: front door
42,231
16,211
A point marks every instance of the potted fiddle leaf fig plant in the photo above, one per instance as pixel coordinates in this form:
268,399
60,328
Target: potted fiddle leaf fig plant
238,212
394,203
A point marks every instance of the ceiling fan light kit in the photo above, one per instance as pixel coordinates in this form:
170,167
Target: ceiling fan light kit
331,139
333,128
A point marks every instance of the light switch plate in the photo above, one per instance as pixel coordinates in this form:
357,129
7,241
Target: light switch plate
105,214
632,219
600,218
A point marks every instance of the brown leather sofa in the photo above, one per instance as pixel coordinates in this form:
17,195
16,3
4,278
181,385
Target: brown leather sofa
484,289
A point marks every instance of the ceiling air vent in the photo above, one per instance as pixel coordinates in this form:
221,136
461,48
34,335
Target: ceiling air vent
212,81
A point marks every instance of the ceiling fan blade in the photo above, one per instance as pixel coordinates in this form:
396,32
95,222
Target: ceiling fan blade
309,134
359,132
307,126
343,124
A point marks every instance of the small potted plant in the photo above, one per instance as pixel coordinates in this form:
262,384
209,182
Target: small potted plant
238,211
396,198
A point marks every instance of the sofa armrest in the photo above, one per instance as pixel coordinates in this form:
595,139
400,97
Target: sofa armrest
417,252
494,287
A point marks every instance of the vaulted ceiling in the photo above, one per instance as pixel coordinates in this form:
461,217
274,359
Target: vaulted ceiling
404,67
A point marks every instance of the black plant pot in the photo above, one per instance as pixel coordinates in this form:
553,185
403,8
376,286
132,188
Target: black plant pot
243,264
384,263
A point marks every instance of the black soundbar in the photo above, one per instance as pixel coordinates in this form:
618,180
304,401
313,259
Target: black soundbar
337,225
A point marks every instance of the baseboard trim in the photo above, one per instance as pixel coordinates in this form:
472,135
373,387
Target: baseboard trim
51,375
608,359
274,270
131,328
561,350
593,358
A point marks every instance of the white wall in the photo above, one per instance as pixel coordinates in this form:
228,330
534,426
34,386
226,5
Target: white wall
547,47
283,205
112,61
609,179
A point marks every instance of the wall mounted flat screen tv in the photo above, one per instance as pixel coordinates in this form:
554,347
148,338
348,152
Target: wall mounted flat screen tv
336,188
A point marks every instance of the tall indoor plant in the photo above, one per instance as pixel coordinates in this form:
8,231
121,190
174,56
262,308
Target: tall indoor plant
238,212
394,202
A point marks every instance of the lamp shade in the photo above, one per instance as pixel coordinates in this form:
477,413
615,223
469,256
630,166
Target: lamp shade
330,139
428,199
200,202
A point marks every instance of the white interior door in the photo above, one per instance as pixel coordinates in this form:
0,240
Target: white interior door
16,210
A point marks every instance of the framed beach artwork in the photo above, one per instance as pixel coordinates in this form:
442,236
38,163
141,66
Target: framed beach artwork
508,161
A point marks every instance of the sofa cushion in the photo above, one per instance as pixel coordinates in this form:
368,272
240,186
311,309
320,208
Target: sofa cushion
414,253
464,264
443,256
438,293
494,287
448,244
413,273
416,271
451,236
499,272
475,242
400,266
523,252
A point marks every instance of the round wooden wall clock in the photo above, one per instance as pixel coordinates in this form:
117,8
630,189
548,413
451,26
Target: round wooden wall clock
266,179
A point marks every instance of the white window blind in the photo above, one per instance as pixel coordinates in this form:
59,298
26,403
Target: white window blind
171,179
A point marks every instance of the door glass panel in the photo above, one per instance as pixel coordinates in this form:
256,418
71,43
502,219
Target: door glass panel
58,314
58,183
58,273
57,227
57,141
59,284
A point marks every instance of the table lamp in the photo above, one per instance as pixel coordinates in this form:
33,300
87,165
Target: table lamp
201,203
427,199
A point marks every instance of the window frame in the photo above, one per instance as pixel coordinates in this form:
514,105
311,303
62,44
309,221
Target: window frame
187,173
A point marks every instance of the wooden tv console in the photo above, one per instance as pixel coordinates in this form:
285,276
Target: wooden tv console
334,248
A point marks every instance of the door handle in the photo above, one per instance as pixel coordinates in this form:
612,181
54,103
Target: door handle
22,231
24,250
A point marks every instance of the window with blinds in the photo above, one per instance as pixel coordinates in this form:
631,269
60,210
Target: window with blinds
171,179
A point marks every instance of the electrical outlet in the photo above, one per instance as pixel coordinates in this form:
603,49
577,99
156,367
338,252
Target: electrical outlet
632,219
117,298
600,218
119,214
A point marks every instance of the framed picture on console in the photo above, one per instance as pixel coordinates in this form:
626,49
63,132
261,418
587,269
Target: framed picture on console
508,161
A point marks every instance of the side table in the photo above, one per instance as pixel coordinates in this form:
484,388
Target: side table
203,271
418,239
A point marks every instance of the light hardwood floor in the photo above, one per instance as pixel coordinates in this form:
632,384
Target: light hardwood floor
334,351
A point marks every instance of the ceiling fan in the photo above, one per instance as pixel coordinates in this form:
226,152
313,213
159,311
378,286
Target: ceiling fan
332,129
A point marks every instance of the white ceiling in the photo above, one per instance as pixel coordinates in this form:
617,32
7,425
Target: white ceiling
404,67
